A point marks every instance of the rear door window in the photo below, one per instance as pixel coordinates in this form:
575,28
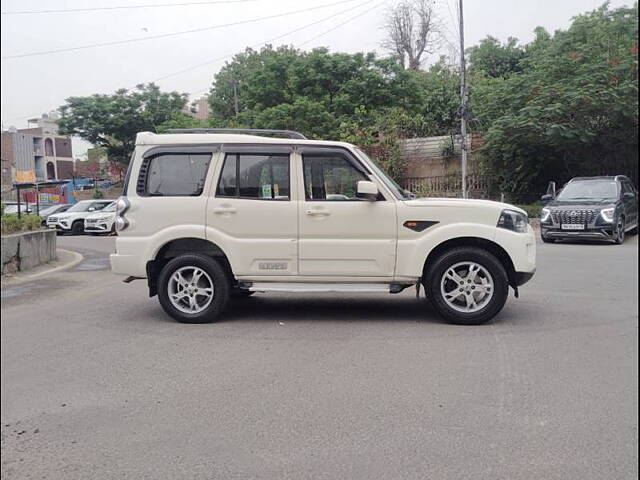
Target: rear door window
255,176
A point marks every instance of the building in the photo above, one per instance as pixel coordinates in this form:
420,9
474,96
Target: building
198,109
36,153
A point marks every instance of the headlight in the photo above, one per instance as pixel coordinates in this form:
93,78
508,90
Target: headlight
545,215
607,214
514,221
121,223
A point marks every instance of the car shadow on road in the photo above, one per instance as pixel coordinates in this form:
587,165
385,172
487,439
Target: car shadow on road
282,308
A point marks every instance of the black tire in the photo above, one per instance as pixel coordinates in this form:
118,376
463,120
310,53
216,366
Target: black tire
217,274
77,227
439,267
620,233
241,293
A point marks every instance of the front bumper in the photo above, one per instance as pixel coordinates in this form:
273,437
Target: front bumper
523,277
101,227
590,233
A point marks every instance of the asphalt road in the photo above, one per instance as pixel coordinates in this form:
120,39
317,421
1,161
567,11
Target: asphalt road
98,383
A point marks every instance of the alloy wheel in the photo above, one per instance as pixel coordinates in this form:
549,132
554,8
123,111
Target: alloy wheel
190,289
467,287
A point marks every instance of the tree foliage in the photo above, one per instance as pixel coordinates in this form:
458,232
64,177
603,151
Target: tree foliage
112,121
495,59
317,92
573,107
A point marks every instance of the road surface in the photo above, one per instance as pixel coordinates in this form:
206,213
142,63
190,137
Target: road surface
97,382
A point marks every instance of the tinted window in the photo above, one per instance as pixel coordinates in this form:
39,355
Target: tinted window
627,187
177,174
330,178
260,176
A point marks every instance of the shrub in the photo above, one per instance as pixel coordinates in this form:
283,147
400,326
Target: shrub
532,209
27,222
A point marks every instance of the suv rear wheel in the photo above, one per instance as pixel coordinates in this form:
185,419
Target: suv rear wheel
193,288
467,286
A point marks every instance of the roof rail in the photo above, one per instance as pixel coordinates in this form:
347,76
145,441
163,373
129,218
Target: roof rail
241,131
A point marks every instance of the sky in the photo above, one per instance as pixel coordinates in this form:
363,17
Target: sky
36,84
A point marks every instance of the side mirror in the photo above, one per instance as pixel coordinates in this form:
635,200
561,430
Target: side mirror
546,198
629,195
551,190
91,209
367,191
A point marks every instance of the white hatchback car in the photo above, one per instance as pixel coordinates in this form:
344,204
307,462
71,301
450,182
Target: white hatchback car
102,221
207,214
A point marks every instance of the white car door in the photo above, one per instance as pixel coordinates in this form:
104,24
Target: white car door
341,235
251,213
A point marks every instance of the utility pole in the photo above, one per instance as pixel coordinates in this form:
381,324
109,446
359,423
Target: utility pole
235,96
463,106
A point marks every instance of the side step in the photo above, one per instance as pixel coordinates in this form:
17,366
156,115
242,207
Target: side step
323,287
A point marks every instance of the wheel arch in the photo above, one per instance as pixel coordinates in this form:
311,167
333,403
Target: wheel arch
492,247
179,246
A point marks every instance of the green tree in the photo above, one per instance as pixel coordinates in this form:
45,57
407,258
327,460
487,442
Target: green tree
572,110
495,59
112,121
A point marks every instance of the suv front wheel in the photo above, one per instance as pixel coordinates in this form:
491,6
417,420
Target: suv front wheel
193,288
467,286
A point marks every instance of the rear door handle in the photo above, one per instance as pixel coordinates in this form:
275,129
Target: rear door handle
319,212
222,210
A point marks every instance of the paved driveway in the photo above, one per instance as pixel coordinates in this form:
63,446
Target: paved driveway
98,383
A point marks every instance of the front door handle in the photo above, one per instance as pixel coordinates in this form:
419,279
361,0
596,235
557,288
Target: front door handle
223,210
324,211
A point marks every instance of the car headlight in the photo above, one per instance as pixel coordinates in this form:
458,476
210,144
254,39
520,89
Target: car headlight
514,221
545,215
607,214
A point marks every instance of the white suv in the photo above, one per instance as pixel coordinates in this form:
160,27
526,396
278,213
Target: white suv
209,214
102,221
72,220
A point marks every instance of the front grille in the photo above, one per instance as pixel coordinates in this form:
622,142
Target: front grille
574,216
52,219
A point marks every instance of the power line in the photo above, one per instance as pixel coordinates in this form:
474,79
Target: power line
209,62
120,7
173,34
341,24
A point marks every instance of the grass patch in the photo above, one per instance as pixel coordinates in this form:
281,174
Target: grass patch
532,209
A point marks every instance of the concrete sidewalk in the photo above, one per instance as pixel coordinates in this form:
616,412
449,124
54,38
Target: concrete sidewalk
64,259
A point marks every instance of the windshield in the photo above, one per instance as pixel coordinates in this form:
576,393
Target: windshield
388,181
110,208
80,207
48,210
589,190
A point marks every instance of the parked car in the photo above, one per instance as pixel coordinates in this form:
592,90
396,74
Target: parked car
102,221
12,207
72,221
49,210
595,208
206,216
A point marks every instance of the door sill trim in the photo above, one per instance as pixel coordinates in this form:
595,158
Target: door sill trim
300,287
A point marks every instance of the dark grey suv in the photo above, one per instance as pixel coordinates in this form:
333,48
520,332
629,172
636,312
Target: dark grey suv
596,208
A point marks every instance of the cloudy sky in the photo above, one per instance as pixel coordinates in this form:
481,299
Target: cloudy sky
35,84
